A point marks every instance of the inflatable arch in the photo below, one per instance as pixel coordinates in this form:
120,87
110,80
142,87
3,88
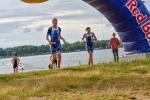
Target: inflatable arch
130,18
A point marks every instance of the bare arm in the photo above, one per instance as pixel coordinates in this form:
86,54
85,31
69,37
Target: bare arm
18,60
62,38
109,43
94,37
47,38
12,61
83,37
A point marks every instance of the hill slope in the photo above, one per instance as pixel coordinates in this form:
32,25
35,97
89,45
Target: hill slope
123,81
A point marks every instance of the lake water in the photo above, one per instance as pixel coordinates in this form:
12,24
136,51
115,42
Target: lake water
41,62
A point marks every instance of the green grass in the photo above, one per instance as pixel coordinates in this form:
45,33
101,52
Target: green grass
107,81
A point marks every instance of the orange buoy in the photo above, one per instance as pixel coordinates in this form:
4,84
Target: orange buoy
34,1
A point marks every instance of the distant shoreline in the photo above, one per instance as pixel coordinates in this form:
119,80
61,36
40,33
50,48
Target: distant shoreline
30,50
47,54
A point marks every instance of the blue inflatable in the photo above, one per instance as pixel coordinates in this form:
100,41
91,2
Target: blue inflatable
130,18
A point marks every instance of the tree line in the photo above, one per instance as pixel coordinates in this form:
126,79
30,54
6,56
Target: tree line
30,50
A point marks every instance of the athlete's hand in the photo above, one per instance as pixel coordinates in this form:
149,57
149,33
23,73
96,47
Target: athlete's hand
84,42
65,41
49,42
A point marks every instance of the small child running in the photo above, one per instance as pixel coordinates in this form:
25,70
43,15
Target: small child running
15,61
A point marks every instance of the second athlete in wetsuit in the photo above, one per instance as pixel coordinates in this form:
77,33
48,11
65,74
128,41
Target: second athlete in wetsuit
89,37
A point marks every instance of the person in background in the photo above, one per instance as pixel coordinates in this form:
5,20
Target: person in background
53,37
89,37
115,43
15,61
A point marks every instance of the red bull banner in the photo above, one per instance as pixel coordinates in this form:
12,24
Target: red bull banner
131,20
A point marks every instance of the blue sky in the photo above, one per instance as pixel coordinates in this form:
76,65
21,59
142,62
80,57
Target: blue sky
25,24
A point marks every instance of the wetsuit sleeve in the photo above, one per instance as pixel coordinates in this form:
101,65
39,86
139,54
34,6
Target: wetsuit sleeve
49,31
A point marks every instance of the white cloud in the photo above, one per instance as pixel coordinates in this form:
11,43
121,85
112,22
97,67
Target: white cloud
22,23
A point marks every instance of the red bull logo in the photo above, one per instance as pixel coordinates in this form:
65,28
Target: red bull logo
133,7
146,30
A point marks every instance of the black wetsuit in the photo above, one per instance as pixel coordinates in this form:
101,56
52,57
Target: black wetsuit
15,64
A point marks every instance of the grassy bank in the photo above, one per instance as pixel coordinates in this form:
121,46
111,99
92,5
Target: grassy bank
123,81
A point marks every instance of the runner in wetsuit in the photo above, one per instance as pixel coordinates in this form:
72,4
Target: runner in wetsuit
89,37
53,37
15,61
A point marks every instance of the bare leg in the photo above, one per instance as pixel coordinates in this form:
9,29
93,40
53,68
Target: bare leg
16,69
53,59
59,59
91,58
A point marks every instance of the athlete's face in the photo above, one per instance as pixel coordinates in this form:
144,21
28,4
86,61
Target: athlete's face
88,30
54,22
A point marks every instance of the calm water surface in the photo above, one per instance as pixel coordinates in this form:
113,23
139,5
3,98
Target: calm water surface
68,59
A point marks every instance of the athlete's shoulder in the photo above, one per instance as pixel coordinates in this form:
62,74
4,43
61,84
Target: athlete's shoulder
85,34
111,38
92,33
50,28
